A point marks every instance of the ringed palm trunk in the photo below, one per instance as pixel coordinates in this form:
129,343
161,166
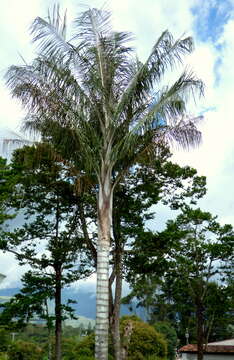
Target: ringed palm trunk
103,248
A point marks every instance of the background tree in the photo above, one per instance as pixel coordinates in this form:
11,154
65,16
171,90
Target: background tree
4,340
169,333
218,312
5,187
143,187
135,204
47,240
198,247
203,242
171,302
103,109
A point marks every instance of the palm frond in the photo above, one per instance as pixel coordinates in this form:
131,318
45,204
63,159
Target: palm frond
165,54
164,109
93,25
51,35
109,105
185,133
45,85
163,120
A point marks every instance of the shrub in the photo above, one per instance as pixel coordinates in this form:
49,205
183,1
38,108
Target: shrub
4,340
22,350
144,342
3,356
170,336
84,350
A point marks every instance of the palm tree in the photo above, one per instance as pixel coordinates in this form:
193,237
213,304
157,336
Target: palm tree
104,111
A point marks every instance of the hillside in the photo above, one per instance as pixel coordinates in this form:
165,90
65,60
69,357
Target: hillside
85,306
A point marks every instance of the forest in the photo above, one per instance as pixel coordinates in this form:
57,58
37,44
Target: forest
85,197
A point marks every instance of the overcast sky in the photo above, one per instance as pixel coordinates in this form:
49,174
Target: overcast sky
210,22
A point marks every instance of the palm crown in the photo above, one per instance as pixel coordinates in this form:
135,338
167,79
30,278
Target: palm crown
95,89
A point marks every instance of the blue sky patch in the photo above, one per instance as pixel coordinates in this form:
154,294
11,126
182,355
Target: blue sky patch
210,19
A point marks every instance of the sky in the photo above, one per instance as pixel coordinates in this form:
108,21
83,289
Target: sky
209,22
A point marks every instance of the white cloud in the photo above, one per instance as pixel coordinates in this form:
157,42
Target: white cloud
10,268
86,285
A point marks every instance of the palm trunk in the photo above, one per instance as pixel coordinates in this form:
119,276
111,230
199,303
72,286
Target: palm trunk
58,315
102,293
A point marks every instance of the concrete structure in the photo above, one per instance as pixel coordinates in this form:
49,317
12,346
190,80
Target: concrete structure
219,350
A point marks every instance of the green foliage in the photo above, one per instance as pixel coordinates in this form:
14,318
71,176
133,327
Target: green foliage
73,342
22,350
43,193
4,339
48,240
170,336
145,342
84,349
3,356
36,333
177,282
6,187
219,312
86,346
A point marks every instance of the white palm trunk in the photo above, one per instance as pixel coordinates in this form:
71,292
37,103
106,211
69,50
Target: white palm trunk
103,248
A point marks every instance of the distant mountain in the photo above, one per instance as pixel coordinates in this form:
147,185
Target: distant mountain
3,299
85,305
86,322
86,302
9,292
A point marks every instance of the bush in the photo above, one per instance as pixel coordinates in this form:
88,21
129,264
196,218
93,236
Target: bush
22,350
170,336
4,340
84,350
3,356
145,342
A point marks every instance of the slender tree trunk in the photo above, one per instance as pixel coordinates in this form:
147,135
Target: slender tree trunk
49,328
115,301
209,328
200,335
58,314
117,305
49,345
102,293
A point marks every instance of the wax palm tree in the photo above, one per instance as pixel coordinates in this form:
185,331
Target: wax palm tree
104,111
